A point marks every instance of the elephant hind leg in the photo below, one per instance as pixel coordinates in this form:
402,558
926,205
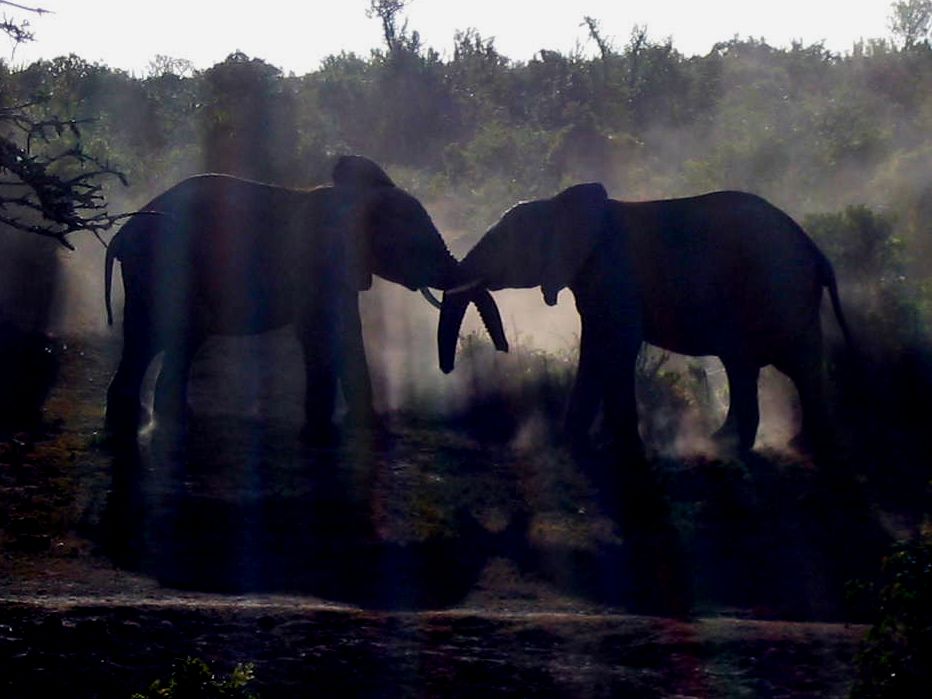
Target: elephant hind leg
804,368
123,395
743,416
171,387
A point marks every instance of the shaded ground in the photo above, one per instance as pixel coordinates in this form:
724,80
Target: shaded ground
422,563
308,651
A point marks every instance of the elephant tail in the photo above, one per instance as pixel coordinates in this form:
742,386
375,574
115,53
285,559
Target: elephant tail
108,279
829,282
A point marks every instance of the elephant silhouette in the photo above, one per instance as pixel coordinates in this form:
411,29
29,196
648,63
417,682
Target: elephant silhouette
217,254
724,274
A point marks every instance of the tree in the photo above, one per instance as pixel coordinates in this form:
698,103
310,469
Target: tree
910,21
388,12
595,33
49,185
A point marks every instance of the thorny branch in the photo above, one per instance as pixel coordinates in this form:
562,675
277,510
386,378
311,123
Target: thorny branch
51,193
42,193
18,31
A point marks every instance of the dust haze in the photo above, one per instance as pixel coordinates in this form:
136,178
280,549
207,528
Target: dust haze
813,132
263,375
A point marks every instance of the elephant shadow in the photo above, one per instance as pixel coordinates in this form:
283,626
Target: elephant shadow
643,568
766,537
277,518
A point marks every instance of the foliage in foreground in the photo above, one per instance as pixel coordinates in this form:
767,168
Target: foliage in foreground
192,678
896,658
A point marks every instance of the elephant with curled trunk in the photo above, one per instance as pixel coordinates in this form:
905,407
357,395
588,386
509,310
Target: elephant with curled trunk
724,274
216,254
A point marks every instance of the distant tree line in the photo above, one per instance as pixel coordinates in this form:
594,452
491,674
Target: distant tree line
814,131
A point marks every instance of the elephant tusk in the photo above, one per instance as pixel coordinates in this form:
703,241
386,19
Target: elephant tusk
462,288
429,295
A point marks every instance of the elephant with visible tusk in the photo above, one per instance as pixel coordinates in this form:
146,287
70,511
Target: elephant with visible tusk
724,274
216,254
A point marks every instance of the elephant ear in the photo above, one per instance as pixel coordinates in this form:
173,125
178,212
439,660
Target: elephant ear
577,227
357,171
354,172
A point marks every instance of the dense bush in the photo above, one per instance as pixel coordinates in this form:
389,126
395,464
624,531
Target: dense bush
896,658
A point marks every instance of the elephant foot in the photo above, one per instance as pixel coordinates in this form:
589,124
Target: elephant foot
320,436
576,437
807,445
176,419
371,437
368,429
121,424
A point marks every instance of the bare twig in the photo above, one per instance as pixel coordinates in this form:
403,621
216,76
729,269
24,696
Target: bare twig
24,8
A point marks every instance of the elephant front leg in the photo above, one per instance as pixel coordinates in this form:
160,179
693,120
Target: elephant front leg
320,371
621,412
586,394
608,353
354,370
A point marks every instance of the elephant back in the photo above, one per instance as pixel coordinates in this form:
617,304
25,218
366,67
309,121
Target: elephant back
357,171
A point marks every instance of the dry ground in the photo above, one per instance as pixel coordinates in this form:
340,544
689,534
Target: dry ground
425,562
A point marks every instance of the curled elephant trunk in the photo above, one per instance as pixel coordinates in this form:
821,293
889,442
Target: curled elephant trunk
452,312
460,289
429,296
491,318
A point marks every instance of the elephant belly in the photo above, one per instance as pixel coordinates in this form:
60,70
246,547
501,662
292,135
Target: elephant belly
251,308
751,327
686,334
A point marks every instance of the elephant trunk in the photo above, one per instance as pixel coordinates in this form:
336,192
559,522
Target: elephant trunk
452,312
470,287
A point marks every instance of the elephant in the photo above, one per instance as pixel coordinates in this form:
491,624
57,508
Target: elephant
724,274
216,254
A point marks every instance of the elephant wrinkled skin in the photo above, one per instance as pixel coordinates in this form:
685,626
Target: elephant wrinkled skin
724,274
216,254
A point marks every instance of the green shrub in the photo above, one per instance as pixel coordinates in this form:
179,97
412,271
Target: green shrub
896,657
193,679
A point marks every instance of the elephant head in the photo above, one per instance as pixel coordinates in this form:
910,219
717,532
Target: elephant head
400,242
390,232
538,243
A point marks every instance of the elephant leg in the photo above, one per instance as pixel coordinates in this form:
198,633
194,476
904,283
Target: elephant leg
612,343
621,412
354,369
586,394
171,387
320,371
804,368
743,416
123,395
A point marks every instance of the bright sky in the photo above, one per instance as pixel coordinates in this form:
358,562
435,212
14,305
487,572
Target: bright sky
295,35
